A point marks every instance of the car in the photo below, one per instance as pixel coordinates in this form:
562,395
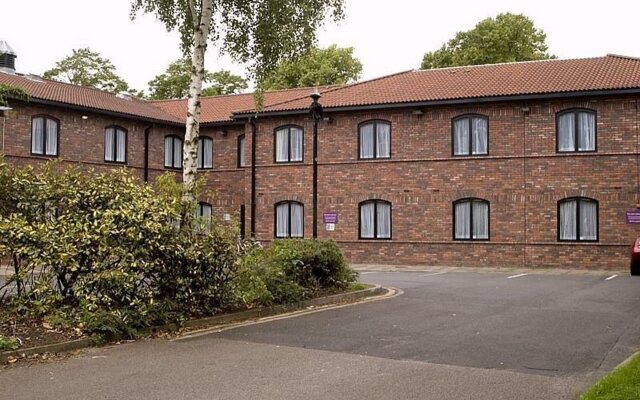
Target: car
635,258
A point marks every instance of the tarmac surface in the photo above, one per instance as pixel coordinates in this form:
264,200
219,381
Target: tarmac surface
449,335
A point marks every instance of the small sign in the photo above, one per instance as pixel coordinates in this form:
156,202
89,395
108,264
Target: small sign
330,217
330,227
633,217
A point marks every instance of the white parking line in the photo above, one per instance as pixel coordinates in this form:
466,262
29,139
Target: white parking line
516,276
611,277
434,273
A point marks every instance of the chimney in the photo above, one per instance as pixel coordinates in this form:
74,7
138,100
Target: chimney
7,58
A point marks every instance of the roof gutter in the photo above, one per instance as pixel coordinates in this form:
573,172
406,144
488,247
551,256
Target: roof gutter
474,100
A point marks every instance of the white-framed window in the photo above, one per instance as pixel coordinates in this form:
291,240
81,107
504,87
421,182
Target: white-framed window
375,219
374,140
172,152
470,135
204,215
44,135
241,152
115,144
576,131
289,219
289,144
471,219
205,153
578,219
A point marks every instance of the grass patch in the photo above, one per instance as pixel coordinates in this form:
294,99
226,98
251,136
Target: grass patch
359,286
8,344
621,384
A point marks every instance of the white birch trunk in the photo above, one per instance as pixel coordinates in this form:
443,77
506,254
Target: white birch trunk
202,27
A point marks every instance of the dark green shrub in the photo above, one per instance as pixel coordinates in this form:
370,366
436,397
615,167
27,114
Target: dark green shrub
290,271
102,249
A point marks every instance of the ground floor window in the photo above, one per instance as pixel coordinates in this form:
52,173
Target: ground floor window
289,219
578,219
471,219
375,219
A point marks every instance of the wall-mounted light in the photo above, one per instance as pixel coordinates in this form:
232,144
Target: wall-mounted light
417,112
328,120
85,117
223,132
526,109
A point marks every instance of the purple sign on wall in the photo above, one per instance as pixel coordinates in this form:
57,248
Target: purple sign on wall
330,217
633,217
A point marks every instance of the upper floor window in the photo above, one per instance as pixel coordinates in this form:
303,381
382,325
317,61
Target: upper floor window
578,219
289,144
289,219
172,152
471,219
241,154
374,139
205,153
44,136
576,131
115,144
375,219
470,135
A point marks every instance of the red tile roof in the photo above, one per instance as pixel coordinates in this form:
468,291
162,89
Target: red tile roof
423,86
221,108
483,81
79,96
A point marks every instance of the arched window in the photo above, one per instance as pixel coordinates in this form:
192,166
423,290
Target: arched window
289,144
375,219
576,131
44,135
115,144
374,140
289,219
470,135
205,153
204,214
471,219
578,219
172,152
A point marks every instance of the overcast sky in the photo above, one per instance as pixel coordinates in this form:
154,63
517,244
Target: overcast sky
388,36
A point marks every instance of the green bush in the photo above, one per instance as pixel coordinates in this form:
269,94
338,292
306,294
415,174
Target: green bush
103,249
289,271
8,344
105,253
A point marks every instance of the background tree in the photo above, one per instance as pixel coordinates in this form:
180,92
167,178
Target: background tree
88,68
260,33
330,66
174,82
505,38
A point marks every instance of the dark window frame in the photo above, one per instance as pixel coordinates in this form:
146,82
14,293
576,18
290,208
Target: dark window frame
576,111
375,219
173,161
275,144
471,200
275,219
240,145
579,199
375,123
115,144
201,205
200,165
46,118
470,117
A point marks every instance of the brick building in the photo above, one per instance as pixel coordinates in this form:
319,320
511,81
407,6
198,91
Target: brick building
521,164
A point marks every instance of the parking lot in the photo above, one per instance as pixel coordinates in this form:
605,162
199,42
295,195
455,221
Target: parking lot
449,335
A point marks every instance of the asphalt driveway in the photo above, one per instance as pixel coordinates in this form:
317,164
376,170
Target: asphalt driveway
451,335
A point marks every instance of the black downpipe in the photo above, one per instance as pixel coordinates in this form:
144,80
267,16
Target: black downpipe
253,177
317,114
146,152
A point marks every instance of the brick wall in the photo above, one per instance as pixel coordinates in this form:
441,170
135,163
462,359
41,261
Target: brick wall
522,177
